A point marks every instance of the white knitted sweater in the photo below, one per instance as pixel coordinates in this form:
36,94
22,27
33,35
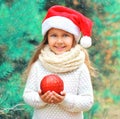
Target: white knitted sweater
78,88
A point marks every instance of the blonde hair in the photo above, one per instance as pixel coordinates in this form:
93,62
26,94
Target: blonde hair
36,54
89,64
42,45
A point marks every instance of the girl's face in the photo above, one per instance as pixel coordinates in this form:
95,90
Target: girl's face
60,41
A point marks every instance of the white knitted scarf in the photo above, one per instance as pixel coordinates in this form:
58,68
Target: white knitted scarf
62,63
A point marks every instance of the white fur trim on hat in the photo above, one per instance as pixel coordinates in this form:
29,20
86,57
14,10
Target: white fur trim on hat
61,23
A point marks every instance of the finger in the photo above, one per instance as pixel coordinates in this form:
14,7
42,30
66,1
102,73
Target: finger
63,93
40,92
57,98
49,98
46,97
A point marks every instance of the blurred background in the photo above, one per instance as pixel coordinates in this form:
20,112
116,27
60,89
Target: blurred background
20,33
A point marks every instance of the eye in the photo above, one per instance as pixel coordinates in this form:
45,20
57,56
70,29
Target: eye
53,35
65,35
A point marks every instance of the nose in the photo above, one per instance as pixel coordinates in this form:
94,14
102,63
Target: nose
60,40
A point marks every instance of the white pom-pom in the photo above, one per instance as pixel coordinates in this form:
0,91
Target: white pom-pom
86,41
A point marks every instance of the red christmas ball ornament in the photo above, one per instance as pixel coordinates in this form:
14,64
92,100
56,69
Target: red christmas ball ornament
52,82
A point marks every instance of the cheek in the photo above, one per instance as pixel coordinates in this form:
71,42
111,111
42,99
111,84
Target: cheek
70,46
51,42
70,42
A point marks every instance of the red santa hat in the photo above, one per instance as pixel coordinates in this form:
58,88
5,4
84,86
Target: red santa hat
71,21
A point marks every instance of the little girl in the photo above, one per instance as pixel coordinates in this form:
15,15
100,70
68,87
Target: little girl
59,53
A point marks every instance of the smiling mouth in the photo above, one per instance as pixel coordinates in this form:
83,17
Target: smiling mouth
60,48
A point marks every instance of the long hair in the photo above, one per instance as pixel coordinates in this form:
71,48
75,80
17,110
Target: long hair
36,55
89,64
42,45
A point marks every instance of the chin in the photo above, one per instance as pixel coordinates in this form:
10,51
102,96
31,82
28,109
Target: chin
59,53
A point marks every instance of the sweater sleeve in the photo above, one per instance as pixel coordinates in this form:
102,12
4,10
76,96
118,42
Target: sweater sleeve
30,94
84,100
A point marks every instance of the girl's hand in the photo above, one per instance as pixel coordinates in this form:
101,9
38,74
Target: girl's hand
52,97
58,98
46,97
